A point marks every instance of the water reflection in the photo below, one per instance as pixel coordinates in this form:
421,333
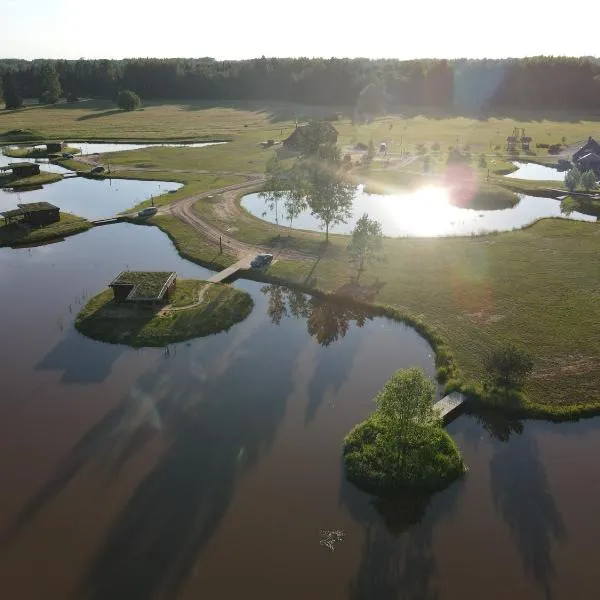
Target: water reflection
397,557
426,213
326,321
522,497
500,426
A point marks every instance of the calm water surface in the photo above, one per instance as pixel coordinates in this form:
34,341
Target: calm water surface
99,148
208,469
536,172
88,198
424,213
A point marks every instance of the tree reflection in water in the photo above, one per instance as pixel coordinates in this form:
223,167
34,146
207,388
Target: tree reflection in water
397,560
327,321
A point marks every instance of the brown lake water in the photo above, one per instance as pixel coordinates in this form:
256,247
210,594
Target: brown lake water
208,469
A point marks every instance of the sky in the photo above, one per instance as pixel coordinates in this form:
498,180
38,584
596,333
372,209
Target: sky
237,29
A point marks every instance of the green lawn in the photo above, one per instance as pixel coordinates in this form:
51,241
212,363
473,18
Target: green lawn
15,235
124,323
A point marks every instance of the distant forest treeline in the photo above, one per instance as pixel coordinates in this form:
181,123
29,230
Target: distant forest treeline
461,85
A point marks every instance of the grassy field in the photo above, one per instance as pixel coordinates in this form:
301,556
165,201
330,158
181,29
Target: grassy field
15,235
121,323
537,287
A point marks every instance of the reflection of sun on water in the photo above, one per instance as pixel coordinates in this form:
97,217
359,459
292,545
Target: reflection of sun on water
425,212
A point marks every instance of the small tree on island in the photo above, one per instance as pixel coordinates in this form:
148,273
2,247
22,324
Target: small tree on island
366,242
128,100
402,446
588,180
573,179
508,366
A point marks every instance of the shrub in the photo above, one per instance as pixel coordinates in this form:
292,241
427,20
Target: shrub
572,179
588,180
435,146
554,149
128,100
508,366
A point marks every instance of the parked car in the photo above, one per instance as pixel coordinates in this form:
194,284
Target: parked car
97,170
67,155
261,260
148,211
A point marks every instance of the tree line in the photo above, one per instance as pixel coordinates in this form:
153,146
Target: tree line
461,85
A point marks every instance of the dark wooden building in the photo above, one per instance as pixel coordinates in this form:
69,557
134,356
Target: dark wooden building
54,147
34,213
298,140
22,169
591,147
145,287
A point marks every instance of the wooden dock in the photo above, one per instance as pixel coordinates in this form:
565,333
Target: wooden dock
109,221
229,272
450,406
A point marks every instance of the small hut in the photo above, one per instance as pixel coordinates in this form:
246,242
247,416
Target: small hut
54,147
525,141
143,287
590,147
33,213
22,169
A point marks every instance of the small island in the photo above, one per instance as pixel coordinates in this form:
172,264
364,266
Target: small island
153,308
26,175
38,222
402,447
46,150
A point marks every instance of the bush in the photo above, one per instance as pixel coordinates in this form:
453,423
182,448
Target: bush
508,366
554,149
128,100
542,145
588,180
572,179
435,147
427,465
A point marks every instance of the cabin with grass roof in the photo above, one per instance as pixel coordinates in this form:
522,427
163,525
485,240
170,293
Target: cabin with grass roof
33,213
22,169
54,147
143,287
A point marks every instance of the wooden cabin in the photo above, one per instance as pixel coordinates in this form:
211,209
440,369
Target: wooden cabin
298,138
143,287
22,169
591,147
34,213
511,143
589,162
54,147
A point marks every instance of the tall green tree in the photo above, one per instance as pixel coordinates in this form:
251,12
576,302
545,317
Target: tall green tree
128,100
366,242
11,91
573,179
329,194
405,405
588,180
49,84
294,201
276,186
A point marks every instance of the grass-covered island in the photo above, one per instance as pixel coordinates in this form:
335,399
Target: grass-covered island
20,234
193,309
402,447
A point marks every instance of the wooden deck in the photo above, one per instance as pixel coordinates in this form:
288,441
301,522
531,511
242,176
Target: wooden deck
449,406
243,263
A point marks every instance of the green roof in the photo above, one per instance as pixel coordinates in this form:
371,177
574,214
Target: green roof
12,213
37,207
19,164
147,285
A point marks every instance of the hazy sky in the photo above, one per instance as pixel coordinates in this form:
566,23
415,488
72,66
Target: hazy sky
243,28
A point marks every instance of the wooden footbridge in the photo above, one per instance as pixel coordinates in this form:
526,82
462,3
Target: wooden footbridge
242,264
450,406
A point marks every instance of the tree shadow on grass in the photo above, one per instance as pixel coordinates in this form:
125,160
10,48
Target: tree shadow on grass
98,115
521,495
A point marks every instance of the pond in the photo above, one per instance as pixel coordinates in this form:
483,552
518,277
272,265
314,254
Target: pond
425,213
209,468
103,147
533,171
89,198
